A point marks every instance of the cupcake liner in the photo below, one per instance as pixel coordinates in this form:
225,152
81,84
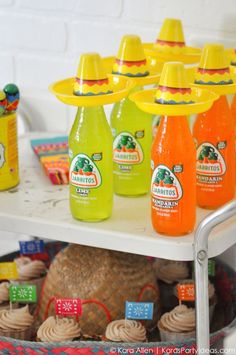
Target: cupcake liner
25,334
175,337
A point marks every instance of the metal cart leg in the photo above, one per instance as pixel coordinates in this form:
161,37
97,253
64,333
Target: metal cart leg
201,271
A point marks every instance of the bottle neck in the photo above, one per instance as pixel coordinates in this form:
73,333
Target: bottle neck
172,128
219,108
93,112
168,123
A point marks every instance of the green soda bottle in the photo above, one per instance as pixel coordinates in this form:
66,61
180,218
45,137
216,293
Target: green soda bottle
90,139
131,127
90,152
132,134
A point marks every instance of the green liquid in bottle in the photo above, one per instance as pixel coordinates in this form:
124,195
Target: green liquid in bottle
132,134
91,177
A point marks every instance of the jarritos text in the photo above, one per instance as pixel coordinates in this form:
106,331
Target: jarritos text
165,188
210,163
84,173
127,150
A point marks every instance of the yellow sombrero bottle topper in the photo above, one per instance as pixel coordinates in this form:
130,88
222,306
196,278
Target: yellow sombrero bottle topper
173,88
170,44
171,36
214,71
91,78
92,86
174,95
130,60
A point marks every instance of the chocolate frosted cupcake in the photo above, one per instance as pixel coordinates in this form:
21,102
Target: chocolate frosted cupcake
31,272
211,294
16,323
178,325
128,331
62,329
169,273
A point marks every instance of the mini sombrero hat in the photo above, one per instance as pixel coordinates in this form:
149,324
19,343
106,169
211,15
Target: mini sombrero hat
92,86
174,96
214,72
232,61
132,62
170,44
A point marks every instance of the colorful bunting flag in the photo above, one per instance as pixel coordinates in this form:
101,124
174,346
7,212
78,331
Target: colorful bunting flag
138,310
23,293
68,306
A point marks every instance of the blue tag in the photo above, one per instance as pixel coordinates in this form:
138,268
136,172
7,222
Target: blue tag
31,247
138,310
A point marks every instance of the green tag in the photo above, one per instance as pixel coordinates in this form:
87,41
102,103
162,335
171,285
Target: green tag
211,267
23,293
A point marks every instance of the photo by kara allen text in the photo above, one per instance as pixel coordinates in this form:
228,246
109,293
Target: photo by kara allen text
165,350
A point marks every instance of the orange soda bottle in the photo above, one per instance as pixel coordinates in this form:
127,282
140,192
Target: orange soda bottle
215,137
173,185
214,132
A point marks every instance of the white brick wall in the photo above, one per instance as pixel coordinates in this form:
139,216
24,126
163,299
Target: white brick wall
42,40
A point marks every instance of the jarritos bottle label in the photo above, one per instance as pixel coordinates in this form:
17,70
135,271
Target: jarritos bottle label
84,173
166,189
210,163
127,150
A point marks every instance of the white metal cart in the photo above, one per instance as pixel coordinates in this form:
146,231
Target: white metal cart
38,208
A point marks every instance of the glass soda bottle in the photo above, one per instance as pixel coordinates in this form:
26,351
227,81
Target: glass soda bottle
173,186
214,133
91,176
131,127
90,146
132,133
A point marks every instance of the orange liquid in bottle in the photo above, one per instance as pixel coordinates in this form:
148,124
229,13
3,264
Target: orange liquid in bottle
214,133
233,112
233,109
173,187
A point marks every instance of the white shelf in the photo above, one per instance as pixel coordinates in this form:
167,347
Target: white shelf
38,208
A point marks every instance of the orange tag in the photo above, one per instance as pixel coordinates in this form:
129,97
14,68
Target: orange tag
186,292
